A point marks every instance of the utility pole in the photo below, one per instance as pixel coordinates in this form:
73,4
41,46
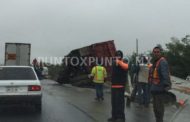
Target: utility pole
137,47
137,50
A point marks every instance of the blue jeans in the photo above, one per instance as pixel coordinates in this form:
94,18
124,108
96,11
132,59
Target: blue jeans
143,92
99,90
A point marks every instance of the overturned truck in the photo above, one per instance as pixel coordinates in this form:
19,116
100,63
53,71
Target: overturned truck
78,63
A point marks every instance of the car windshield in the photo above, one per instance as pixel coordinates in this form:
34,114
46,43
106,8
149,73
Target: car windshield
17,73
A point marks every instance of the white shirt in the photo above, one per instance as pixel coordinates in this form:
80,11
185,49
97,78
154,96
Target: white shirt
143,73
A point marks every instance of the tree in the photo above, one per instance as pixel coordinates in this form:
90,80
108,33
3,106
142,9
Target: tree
178,55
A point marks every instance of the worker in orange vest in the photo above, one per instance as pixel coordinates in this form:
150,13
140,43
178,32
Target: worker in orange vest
118,82
160,82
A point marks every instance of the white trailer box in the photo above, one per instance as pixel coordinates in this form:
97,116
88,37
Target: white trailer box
17,54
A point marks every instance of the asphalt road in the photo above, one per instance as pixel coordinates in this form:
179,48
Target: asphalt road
65,103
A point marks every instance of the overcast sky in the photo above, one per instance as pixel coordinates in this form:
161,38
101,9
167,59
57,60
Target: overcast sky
54,27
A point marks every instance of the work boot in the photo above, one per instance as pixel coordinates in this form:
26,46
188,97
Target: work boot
120,120
111,120
159,120
96,98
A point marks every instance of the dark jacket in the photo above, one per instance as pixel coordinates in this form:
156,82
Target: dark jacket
119,75
164,75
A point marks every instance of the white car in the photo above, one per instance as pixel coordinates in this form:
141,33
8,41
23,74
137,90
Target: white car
20,84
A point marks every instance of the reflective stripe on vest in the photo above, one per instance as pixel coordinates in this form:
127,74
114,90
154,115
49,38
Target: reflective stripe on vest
150,71
150,76
155,77
99,75
117,86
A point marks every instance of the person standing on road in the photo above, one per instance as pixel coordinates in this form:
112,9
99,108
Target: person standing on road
135,83
143,82
99,74
160,83
118,81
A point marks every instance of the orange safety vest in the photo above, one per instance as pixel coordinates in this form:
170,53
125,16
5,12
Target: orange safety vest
155,75
150,74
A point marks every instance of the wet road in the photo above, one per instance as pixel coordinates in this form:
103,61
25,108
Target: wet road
66,103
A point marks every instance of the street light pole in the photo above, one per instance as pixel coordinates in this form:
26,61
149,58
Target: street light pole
137,47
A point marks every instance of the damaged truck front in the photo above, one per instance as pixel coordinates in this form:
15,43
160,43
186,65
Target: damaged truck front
78,63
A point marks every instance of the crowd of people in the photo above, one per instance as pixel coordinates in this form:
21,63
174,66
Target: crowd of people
150,80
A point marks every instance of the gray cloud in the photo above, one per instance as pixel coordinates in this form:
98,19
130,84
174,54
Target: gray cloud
54,27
